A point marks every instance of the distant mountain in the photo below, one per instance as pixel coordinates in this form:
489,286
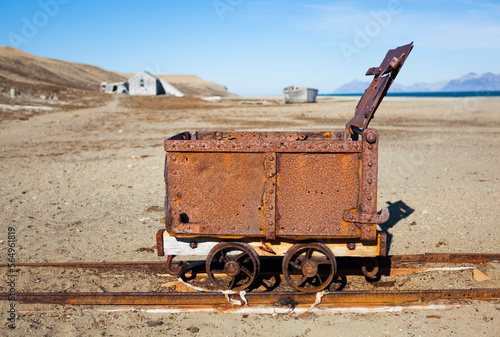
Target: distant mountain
418,87
474,82
468,82
353,87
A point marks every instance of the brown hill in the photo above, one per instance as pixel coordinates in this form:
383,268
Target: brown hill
25,70
35,76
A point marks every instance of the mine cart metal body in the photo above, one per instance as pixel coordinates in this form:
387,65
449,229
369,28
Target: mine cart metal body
272,190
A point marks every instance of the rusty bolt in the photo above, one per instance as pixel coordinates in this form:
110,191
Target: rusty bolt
371,137
351,245
270,206
370,147
369,198
270,191
370,164
394,63
369,181
173,145
174,159
271,158
193,244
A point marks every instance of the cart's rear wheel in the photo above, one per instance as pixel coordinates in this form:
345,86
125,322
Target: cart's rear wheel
232,265
309,267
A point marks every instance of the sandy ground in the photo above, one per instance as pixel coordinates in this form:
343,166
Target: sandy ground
79,185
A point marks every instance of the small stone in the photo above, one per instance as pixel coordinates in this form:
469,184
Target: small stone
193,329
479,276
155,323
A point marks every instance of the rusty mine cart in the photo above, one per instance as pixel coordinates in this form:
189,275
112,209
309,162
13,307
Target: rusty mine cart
304,196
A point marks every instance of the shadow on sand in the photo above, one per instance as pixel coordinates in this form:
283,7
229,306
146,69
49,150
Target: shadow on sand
398,210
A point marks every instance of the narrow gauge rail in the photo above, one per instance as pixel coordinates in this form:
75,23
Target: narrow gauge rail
384,262
264,298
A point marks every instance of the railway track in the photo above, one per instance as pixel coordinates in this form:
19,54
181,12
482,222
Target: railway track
388,266
287,298
385,262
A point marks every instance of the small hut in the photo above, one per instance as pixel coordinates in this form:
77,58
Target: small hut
114,88
145,83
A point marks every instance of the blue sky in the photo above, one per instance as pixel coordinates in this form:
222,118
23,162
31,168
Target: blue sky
260,47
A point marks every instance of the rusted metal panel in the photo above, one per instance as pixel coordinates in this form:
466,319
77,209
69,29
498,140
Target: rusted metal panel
296,187
384,76
219,194
313,191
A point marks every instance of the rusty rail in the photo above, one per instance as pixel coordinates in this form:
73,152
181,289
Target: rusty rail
445,258
146,265
264,298
393,261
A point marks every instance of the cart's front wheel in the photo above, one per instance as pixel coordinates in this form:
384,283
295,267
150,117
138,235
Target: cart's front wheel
232,265
309,267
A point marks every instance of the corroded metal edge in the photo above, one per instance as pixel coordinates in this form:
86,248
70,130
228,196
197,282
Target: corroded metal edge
262,146
269,199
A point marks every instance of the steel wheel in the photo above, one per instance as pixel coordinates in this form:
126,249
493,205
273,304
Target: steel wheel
312,266
232,265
